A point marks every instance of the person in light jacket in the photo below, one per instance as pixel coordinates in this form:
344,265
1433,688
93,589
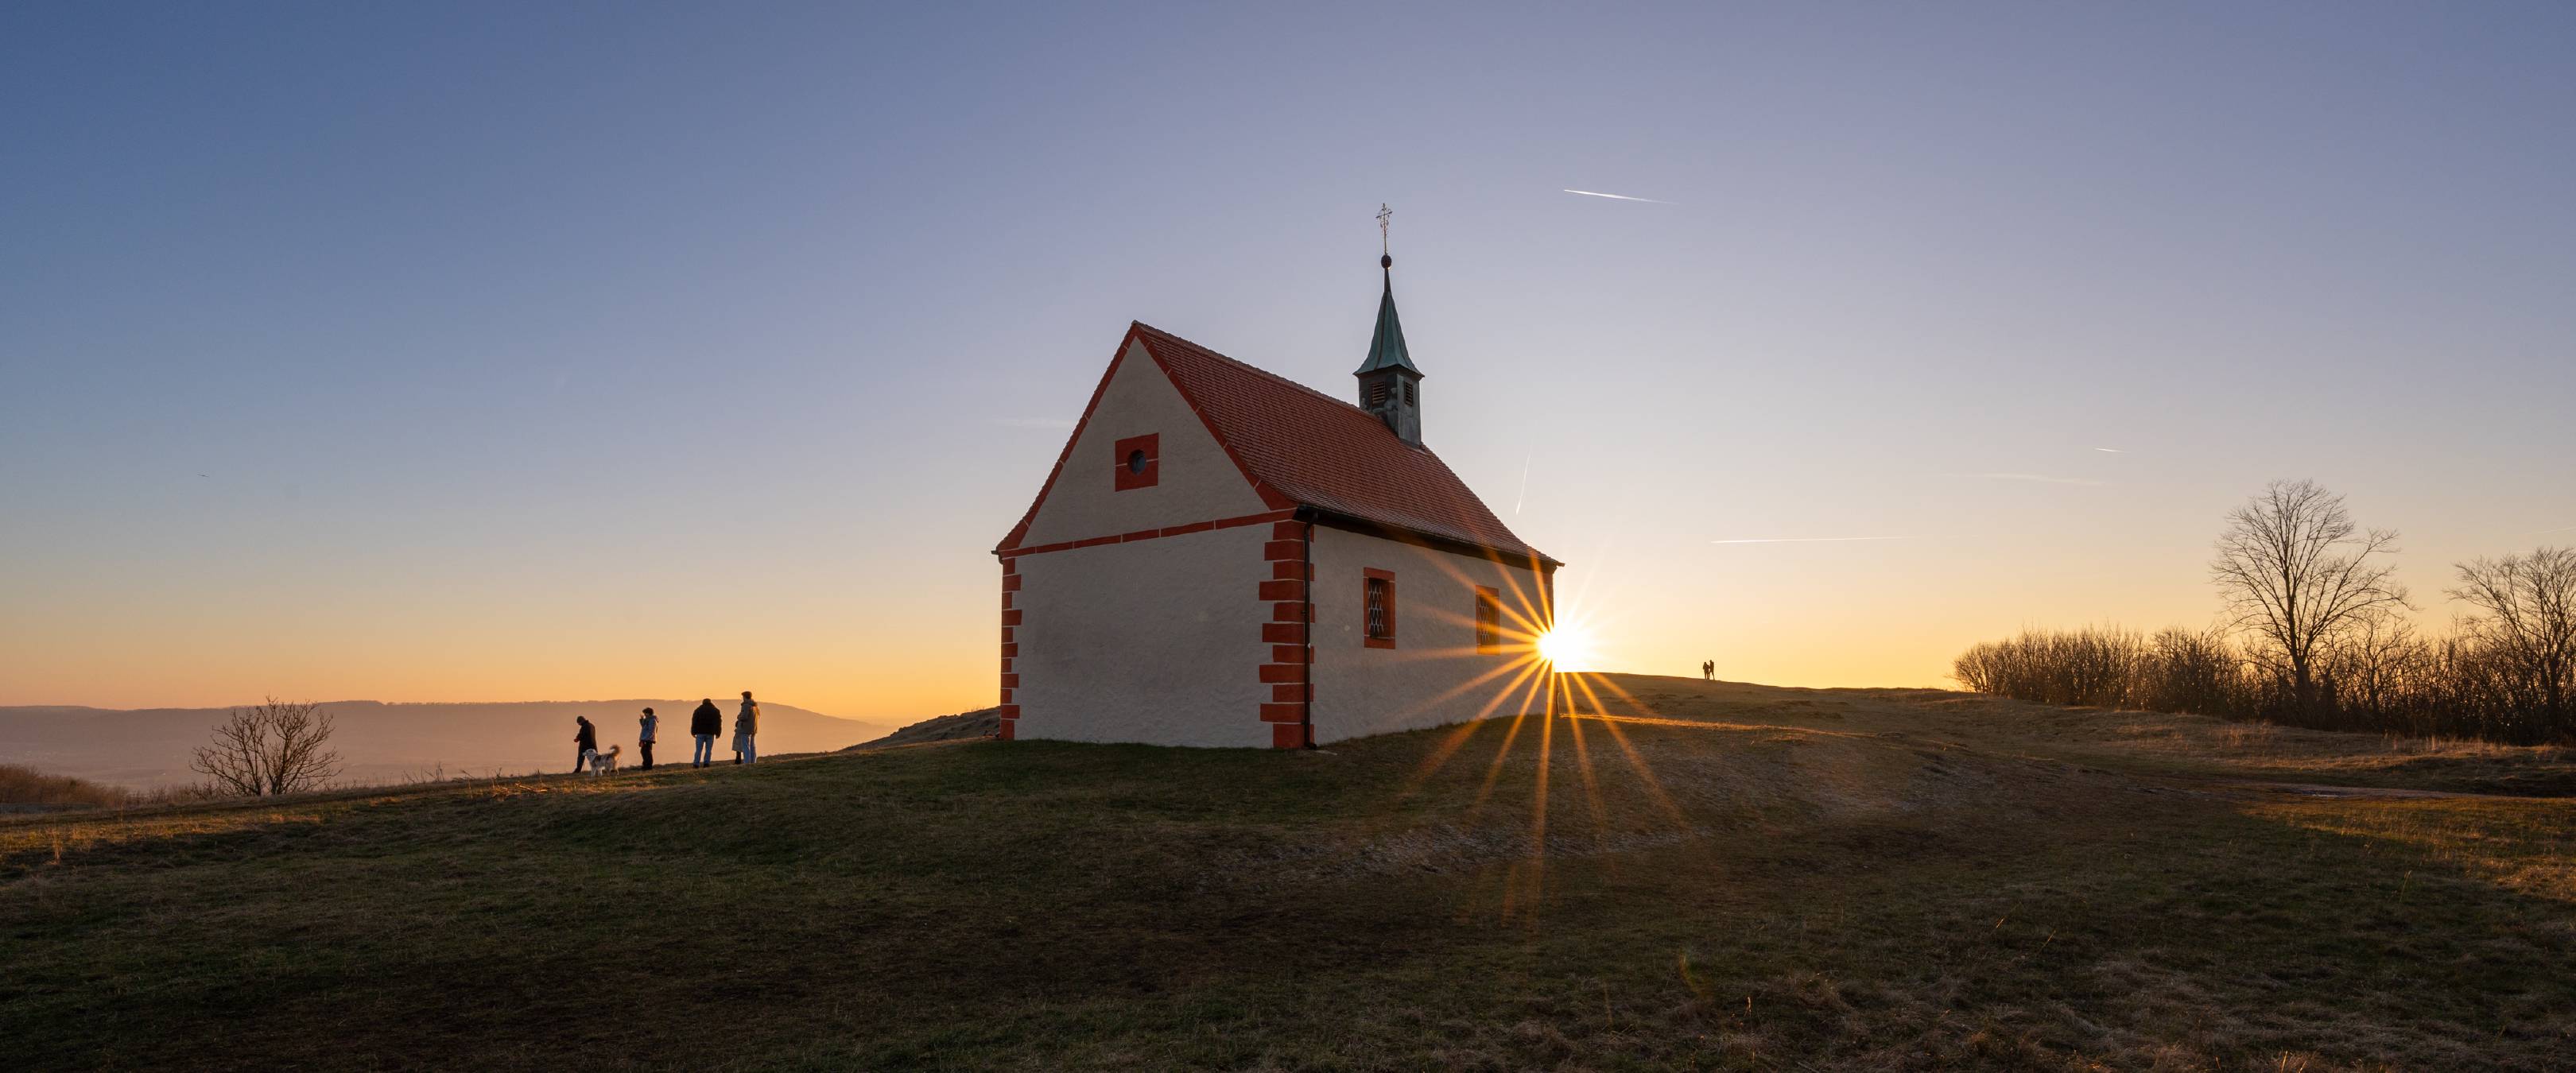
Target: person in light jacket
745,727
585,741
704,725
644,736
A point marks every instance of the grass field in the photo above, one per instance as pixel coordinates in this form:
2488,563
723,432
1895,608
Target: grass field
1722,877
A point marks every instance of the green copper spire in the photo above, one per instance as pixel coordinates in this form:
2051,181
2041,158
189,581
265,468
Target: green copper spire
1390,387
1386,348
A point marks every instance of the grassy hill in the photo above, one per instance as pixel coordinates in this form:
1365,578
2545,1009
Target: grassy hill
1723,876
974,724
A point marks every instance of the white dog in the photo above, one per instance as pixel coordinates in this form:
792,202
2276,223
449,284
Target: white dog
601,763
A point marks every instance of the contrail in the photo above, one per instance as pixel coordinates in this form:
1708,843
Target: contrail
1805,540
1616,197
1523,497
2111,450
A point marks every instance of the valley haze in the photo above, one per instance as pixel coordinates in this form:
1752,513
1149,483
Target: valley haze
382,742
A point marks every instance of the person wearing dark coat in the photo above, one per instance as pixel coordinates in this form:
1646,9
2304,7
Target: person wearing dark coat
645,727
585,741
704,724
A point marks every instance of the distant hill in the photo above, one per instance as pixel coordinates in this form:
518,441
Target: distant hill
974,724
383,742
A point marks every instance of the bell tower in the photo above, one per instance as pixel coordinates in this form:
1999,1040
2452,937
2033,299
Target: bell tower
1390,386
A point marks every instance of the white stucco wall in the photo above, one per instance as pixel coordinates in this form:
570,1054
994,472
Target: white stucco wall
1196,481
1149,641
1361,690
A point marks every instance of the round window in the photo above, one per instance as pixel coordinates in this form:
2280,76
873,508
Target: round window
1135,461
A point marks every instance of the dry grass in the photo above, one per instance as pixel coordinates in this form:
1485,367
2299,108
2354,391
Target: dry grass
2524,846
1733,878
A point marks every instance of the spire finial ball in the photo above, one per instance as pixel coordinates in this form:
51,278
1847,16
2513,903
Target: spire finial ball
1386,261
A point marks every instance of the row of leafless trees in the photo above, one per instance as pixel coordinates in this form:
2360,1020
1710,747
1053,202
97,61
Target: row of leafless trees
2315,634
2175,670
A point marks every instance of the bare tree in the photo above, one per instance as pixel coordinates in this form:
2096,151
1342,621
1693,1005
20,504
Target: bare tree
2527,620
2296,574
274,748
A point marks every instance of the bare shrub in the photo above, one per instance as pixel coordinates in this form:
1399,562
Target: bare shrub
2190,671
21,785
278,747
2095,665
2375,669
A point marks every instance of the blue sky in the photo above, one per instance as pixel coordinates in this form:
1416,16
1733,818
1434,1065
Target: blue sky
522,351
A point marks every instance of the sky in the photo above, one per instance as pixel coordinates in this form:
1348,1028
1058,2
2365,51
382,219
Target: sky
518,352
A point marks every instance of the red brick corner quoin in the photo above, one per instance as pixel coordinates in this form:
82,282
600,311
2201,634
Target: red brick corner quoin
1290,672
1010,708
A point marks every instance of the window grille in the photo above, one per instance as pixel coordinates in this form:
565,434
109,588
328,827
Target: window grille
1381,609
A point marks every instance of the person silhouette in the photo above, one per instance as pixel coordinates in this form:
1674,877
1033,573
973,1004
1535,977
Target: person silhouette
746,727
645,725
704,725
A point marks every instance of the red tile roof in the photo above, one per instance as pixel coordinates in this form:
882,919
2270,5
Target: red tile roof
1321,452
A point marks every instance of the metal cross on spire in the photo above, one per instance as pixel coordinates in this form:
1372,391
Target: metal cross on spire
1385,259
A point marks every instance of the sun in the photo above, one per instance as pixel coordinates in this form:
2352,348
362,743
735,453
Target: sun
1568,647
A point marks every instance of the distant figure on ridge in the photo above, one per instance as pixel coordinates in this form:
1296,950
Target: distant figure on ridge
704,725
1708,670
585,742
745,726
644,736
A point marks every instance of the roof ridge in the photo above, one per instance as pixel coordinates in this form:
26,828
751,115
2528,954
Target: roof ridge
1313,450
1264,373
